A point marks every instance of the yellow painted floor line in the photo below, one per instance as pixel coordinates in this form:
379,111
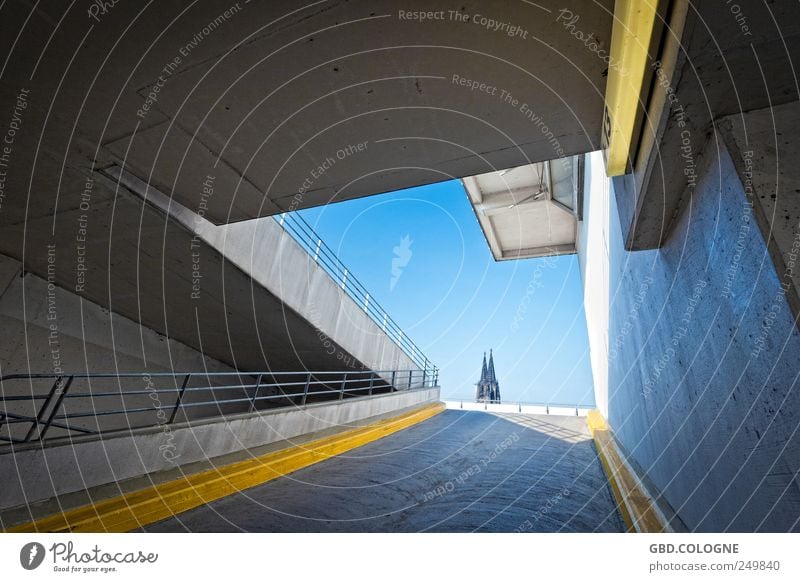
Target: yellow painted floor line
146,506
635,504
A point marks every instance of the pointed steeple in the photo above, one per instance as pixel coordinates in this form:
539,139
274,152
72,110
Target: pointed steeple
490,372
488,389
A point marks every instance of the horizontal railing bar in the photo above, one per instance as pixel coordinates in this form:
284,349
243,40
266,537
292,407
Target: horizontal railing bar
199,375
19,420
74,395
554,405
31,397
204,403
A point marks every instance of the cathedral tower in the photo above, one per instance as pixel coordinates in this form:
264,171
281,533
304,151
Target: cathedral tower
488,387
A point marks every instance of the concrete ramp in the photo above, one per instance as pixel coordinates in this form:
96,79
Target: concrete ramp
455,472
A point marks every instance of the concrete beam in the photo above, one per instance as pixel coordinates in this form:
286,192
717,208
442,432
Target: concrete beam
709,66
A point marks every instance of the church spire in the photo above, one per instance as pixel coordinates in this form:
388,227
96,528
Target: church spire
488,387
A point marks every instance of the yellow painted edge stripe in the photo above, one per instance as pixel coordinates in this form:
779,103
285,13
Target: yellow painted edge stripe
631,34
635,505
152,504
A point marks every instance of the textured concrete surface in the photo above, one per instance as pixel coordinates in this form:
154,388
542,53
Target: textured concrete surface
719,70
457,472
86,333
273,90
700,358
345,333
763,144
217,291
269,103
35,473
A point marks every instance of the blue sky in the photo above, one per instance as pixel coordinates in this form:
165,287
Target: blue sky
456,302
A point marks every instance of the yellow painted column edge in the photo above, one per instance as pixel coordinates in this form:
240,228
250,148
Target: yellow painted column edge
631,37
152,504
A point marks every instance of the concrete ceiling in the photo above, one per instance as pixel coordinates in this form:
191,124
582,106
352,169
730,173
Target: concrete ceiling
519,211
265,93
270,99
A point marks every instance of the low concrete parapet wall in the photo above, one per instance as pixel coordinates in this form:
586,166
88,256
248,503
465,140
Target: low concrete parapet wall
38,472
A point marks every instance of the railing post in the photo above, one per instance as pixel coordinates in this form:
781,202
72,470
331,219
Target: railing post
255,394
305,390
366,302
410,376
344,383
43,409
55,408
180,398
371,382
316,252
344,279
424,373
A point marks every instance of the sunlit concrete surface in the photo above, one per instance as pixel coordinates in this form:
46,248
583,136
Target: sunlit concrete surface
457,472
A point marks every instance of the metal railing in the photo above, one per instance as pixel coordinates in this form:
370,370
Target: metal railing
97,403
324,256
493,404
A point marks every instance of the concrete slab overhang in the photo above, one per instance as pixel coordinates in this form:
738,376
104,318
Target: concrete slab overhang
291,105
529,211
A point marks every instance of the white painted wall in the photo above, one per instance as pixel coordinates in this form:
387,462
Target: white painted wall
593,258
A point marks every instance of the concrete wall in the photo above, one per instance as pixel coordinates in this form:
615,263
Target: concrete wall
49,330
772,182
592,247
701,360
263,250
88,336
34,472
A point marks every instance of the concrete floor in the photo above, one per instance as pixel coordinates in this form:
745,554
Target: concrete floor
457,472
